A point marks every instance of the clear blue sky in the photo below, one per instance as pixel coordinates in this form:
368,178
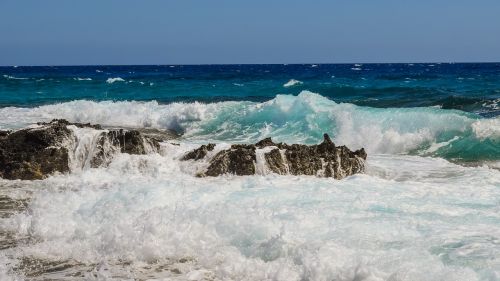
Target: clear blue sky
55,32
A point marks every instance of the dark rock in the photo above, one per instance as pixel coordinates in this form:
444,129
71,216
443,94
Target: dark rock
36,153
275,162
265,142
63,122
152,133
199,153
238,160
121,141
324,159
4,134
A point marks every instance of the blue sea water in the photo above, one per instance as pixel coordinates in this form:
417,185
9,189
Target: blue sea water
469,87
426,208
451,107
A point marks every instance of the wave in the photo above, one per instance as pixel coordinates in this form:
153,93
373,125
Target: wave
14,78
304,118
83,79
292,82
113,80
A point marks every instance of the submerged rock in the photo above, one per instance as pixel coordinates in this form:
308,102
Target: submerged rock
35,153
323,160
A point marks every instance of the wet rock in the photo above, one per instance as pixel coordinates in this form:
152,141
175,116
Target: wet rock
275,162
35,153
199,153
63,122
121,141
238,160
265,142
323,160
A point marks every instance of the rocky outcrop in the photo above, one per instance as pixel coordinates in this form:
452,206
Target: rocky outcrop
323,160
35,153
238,160
199,153
121,141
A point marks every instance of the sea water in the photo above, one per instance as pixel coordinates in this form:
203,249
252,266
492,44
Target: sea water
427,208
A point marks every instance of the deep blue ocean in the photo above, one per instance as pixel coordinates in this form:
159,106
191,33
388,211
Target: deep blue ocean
470,87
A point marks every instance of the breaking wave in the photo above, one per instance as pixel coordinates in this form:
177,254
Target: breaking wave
428,131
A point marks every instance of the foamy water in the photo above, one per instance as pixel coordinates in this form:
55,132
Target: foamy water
410,217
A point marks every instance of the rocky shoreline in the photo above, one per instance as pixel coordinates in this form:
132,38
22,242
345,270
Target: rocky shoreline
38,152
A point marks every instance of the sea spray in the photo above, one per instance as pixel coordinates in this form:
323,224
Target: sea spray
302,119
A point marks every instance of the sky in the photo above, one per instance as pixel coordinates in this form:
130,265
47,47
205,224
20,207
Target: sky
90,32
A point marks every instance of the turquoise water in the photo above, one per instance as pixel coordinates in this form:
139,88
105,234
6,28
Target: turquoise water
443,110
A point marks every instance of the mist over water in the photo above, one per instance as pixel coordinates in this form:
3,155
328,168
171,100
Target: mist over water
427,207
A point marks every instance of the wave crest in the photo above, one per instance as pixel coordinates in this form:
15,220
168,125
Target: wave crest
303,119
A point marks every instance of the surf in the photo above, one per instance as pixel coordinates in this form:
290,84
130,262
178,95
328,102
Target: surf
425,131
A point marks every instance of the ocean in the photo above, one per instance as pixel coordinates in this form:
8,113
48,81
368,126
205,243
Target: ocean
427,207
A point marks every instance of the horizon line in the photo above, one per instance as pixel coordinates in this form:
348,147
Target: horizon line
211,64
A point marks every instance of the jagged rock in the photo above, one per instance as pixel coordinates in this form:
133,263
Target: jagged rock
35,153
275,162
63,122
238,160
199,153
122,141
265,142
324,159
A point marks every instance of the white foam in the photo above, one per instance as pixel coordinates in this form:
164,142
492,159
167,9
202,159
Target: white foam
292,82
82,79
436,146
407,214
487,128
113,80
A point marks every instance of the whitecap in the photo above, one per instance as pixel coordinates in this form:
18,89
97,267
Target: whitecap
14,78
113,80
292,82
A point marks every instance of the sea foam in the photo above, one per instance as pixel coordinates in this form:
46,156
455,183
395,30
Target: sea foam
303,119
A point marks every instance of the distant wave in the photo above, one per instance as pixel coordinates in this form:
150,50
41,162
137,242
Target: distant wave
113,80
292,82
82,79
15,78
